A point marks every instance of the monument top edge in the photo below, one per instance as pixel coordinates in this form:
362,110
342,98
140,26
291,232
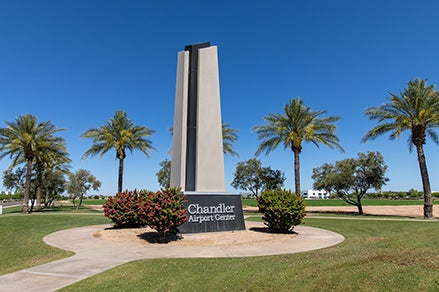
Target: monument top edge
197,46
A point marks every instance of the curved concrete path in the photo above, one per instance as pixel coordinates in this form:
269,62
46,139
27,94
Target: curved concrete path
93,255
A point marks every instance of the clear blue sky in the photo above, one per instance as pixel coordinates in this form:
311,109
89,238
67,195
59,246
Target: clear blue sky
76,62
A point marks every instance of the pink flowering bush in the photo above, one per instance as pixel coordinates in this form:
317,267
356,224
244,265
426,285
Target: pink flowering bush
123,209
164,211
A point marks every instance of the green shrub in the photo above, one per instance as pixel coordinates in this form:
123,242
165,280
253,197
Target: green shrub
164,211
123,209
282,210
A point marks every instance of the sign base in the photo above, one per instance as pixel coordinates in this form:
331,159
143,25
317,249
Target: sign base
212,212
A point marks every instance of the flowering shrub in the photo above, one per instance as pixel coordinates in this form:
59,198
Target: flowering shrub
164,211
282,210
123,209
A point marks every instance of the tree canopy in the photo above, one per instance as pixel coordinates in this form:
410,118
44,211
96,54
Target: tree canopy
164,174
27,140
351,178
298,124
250,176
80,182
120,134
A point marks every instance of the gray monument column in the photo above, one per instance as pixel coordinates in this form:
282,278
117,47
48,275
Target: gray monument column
197,164
197,149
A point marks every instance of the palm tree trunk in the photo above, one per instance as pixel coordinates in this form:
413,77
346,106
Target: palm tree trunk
120,180
25,204
297,171
39,185
428,201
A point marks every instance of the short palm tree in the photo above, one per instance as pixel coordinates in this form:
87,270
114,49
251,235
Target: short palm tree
120,134
53,156
416,109
230,136
296,125
21,139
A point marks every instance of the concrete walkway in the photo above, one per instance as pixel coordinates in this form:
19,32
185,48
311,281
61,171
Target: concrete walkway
93,255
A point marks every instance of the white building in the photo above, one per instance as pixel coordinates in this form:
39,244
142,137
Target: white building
315,194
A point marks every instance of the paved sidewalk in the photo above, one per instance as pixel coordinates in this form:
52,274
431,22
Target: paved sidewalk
93,255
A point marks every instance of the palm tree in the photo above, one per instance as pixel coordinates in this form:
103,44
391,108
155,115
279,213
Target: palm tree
20,141
229,136
416,109
297,125
53,157
121,134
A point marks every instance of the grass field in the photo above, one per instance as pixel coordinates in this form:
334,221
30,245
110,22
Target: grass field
315,202
376,256
21,244
339,202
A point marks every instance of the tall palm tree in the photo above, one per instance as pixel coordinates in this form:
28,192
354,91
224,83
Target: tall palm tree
416,109
120,134
20,141
229,137
296,125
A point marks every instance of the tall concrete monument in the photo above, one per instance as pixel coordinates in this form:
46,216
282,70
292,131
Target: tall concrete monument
197,164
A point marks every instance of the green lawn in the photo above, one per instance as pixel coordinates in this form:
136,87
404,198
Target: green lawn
376,256
314,202
21,244
339,202
93,201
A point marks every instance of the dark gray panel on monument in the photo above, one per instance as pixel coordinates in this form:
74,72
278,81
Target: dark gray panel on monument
191,148
213,212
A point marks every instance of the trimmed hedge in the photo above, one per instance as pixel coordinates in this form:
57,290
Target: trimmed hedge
282,209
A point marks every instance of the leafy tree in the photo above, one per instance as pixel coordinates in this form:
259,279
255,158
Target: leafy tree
80,182
416,110
54,185
164,174
296,125
22,140
15,179
351,178
252,177
120,134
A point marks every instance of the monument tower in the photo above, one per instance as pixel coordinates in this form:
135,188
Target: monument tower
197,164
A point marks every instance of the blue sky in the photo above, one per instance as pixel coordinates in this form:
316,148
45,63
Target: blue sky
76,62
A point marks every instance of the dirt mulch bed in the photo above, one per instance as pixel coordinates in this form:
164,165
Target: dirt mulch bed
255,233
